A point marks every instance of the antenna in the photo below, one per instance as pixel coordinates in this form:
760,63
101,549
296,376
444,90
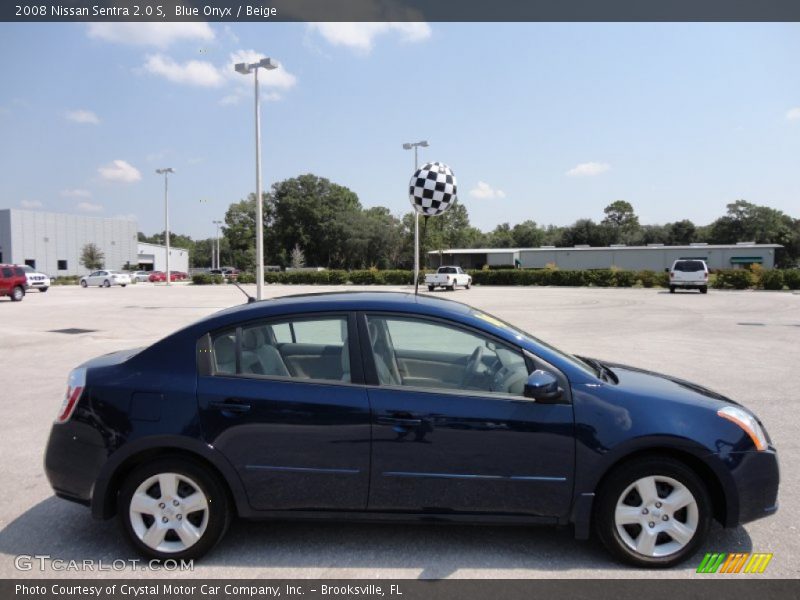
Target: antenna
250,299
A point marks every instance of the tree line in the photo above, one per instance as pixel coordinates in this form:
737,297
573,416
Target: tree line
311,221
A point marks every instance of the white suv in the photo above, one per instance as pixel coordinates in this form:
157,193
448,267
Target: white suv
689,274
35,280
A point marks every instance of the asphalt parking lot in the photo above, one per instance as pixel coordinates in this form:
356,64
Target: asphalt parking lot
742,344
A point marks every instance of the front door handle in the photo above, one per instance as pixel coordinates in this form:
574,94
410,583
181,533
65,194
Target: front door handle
231,405
403,419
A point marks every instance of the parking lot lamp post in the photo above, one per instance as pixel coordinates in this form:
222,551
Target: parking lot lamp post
165,172
218,253
246,69
409,146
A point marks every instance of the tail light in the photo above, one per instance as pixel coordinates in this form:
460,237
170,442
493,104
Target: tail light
705,275
672,274
75,386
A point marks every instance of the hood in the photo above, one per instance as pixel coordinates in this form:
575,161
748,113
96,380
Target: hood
649,383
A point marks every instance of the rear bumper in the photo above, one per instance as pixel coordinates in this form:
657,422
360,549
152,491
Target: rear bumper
74,456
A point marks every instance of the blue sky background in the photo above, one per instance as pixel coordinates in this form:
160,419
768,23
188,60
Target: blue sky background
549,122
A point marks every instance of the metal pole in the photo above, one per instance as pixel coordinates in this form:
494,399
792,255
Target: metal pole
219,250
259,203
166,219
416,235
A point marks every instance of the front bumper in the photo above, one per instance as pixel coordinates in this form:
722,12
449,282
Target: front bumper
756,478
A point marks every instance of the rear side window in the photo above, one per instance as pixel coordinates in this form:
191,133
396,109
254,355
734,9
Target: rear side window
689,266
301,348
18,271
7,272
448,270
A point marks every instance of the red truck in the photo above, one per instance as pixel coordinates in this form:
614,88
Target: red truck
12,282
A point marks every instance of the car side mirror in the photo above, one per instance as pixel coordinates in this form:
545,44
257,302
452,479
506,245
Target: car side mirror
542,387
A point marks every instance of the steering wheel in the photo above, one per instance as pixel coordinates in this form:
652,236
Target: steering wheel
473,364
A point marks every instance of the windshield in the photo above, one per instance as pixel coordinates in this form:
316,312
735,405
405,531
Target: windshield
28,269
523,336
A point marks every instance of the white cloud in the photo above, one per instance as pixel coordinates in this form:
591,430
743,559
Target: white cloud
30,204
89,207
483,191
83,116
192,72
361,36
76,193
159,35
588,169
119,170
793,114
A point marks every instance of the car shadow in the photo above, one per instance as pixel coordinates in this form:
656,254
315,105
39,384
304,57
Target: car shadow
67,532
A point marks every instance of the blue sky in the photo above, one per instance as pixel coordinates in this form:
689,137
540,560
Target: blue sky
549,122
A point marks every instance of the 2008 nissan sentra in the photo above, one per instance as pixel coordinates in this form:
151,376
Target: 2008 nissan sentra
394,406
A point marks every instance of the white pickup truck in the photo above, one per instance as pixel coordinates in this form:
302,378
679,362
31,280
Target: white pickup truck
448,278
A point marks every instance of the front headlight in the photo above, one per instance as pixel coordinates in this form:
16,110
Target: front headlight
748,423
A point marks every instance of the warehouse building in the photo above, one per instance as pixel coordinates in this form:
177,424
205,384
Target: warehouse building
655,257
52,243
152,257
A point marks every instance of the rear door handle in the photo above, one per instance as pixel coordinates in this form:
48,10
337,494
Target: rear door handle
231,405
402,419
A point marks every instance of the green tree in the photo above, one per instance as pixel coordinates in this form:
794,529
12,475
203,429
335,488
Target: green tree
92,258
527,235
622,221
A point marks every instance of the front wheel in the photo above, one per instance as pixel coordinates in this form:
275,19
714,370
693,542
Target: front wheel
17,294
123,284
106,283
704,289
672,289
84,284
653,512
173,508
430,288
43,289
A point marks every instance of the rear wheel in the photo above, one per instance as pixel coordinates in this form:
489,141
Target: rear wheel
123,284
704,289
466,287
84,284
17,294
173,508
43,289
672,289
653,512
430,288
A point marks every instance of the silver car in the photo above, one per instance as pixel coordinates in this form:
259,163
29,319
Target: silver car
139,276
106,279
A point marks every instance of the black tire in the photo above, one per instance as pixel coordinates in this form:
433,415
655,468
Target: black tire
430,288
219,507
672,289
624,476
17,294
43,289
123,284
84,284
466,287
451,288
704,289
106,283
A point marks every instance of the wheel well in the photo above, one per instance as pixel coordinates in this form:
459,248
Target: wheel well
130,463
714,487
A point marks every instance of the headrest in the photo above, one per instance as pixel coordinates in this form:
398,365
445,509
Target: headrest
225,349
250,339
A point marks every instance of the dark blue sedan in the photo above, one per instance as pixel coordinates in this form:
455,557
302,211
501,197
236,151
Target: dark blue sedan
399,407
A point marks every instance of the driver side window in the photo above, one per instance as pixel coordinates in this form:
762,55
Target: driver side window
429,354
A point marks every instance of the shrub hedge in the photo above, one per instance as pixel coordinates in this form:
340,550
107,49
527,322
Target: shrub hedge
739,279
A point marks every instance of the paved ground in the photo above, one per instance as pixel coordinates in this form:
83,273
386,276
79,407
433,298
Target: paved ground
744,344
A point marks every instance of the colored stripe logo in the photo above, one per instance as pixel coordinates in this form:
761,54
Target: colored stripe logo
737,562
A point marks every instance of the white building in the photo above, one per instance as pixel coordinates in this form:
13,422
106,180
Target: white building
152,257
52,243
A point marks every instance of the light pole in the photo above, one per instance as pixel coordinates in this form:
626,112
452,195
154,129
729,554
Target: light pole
409,146
217,223
165,172
246,69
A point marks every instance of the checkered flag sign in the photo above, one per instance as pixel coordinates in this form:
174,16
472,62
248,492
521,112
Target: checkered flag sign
432,189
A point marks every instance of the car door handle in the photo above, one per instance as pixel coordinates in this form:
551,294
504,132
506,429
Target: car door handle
230,405
402,421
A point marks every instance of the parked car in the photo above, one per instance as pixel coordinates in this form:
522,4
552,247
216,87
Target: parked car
448,278
106,278
34,279
162,276
372,405
139,276
689,274
179,275
12,282
226,272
